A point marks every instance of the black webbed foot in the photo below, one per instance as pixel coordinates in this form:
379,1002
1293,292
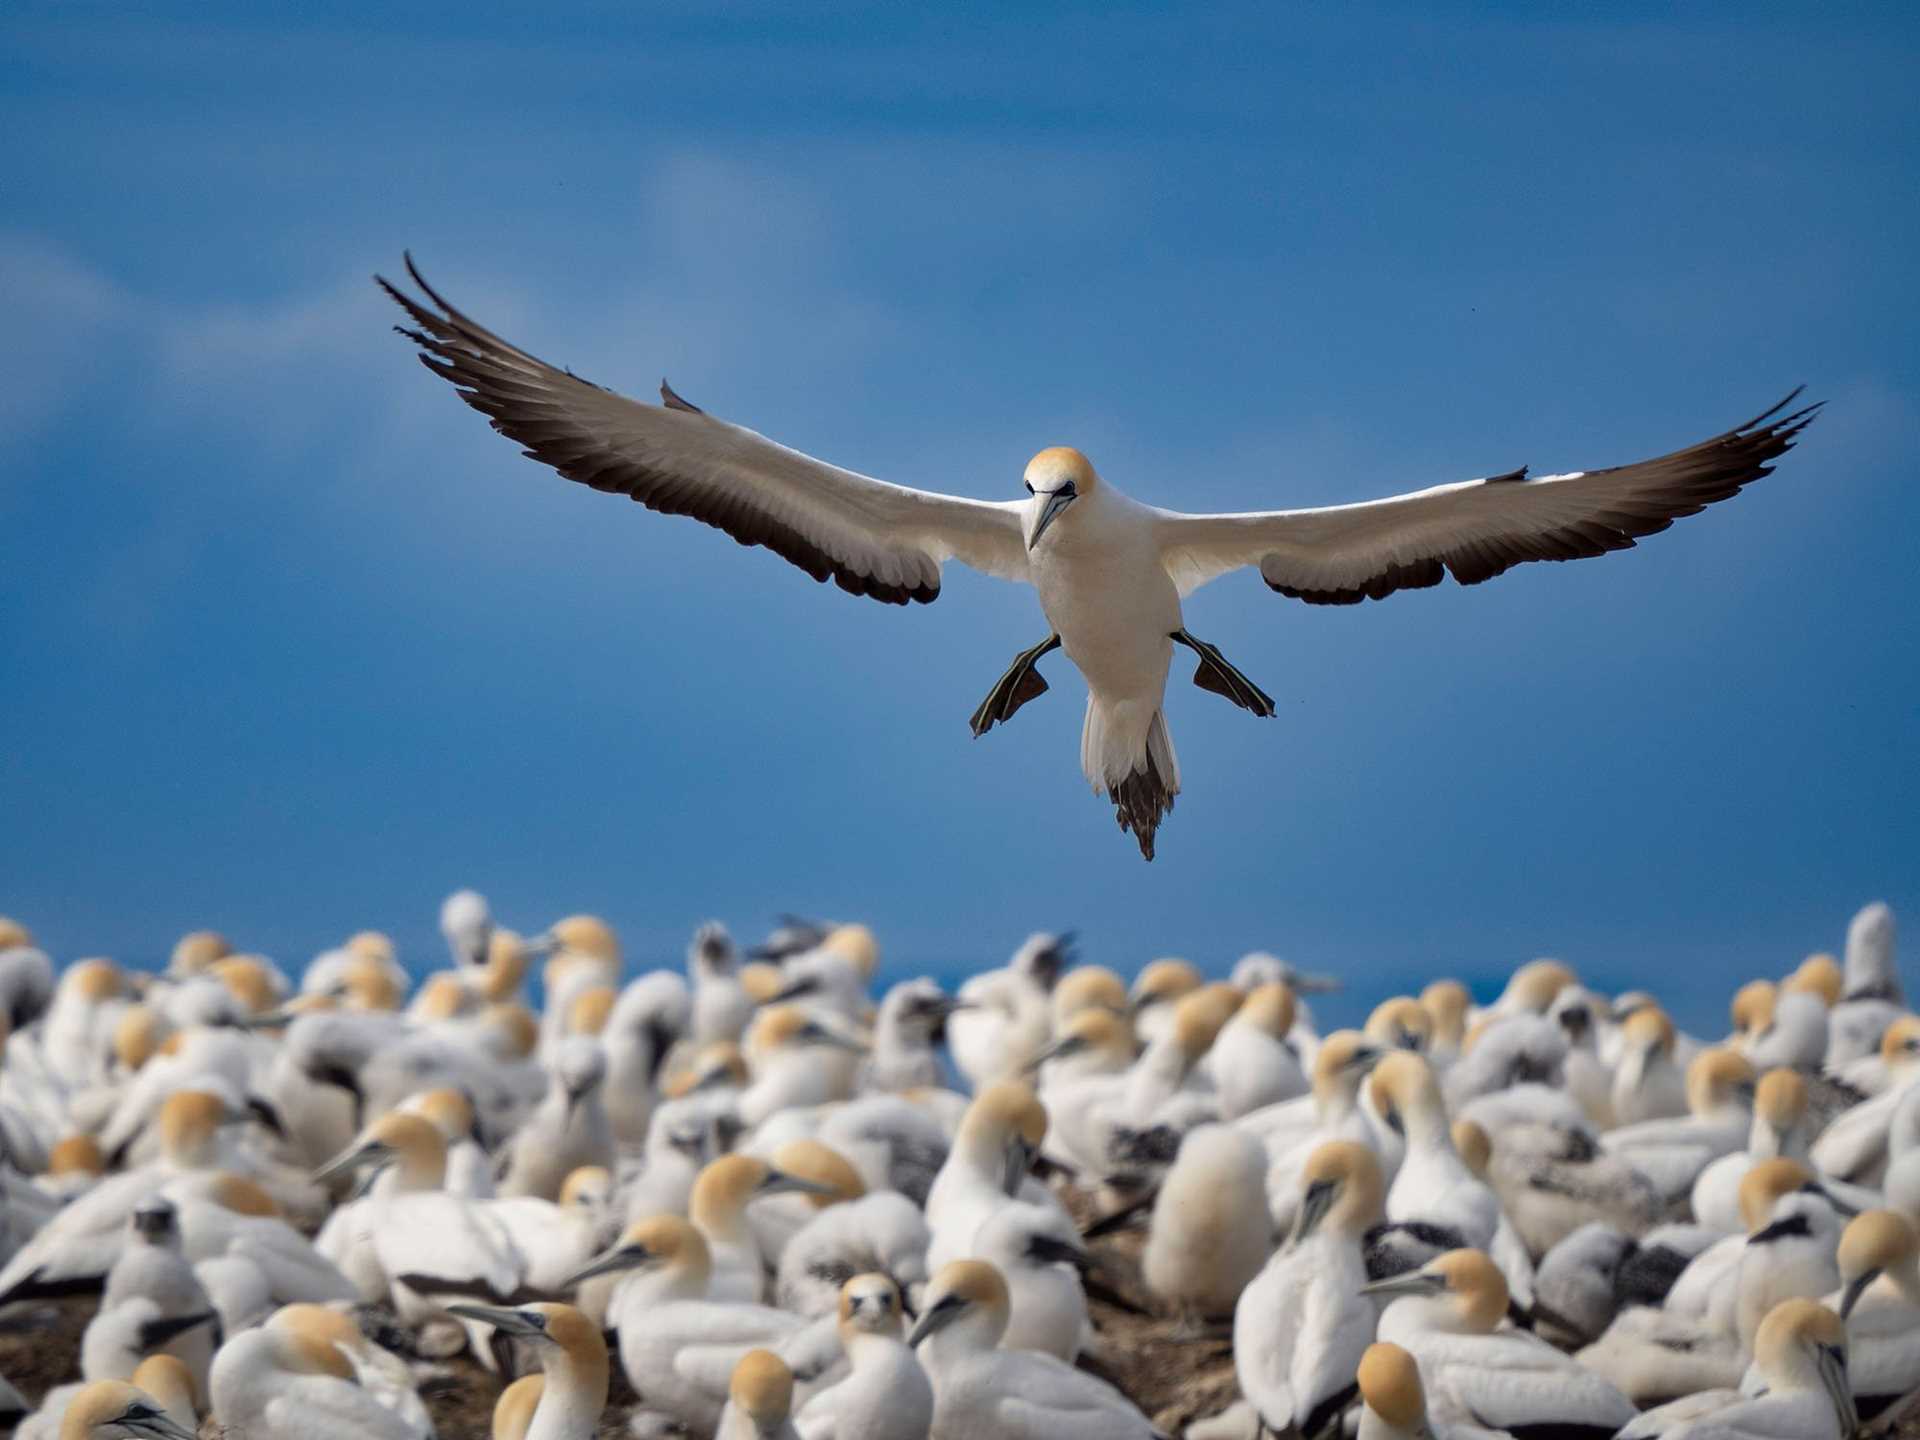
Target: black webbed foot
1021,683
1217,674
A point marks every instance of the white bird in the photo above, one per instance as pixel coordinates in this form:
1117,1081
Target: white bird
1801,1353
1871,997
1110,572
378,1371
1251,1063
1446,1315
913,1017
1436,1202
113,1409
467,922
1672,1152
284,1383
1003,1130
1009,1013
573,1360
677,1346
568,1129
1854,1147
416,1245
718,1209
1879,1300
982,1392
153,1272
886,1395
1302,1324
1043,1261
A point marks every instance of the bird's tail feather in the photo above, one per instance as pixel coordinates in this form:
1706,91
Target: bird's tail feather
1125,749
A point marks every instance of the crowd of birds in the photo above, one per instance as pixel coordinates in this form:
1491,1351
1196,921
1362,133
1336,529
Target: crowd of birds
770,1207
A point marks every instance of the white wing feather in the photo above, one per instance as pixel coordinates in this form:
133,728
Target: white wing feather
1475,530
871,537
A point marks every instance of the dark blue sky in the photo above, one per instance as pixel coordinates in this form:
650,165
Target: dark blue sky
293,644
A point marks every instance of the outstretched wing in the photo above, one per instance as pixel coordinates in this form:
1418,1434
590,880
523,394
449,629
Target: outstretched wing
1342,554
870,537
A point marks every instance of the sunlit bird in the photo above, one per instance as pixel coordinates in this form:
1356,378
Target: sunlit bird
1110,571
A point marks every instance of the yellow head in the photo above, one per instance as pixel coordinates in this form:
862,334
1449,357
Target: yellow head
1341,1180
1874,1240
1534,984
1900,1045
1390,1386
248,980
1011,1109
1781,1099
1752,1008
854,944
820,1165
1649,1032
1762,1187
1474,1145
1085,988
871,1303
195,951
1472,1285
113,1407
1446,1003
587,935
1718,1078
762,1386
1343,1055
76,1155
1401,1023
1818,975
13,934
372,945
1197,1019
1271,1007
1162,981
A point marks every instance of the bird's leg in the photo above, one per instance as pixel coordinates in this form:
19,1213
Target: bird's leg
1021,683
1222,678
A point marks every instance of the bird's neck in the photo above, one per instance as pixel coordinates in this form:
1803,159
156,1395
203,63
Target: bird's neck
574,1399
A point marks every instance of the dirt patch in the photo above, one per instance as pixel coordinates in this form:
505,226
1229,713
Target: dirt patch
40,1343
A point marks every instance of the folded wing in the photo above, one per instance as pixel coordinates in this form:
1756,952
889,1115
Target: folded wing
869,536
1342,554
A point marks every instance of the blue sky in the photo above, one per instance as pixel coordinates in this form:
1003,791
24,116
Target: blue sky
293,644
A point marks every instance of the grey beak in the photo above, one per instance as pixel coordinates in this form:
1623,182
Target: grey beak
1057,501
937,1318
627,1257
508,1322
779,1182
1414,1282
349,1160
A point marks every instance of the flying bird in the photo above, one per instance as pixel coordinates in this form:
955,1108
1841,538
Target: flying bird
1110,571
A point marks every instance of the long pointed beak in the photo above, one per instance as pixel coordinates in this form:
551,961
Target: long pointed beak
347,1161
779,1182
1414,1282
1856,1287
1057,501
1019,1161
821,1035
509,1322
1058,1050
627,1257
161,1425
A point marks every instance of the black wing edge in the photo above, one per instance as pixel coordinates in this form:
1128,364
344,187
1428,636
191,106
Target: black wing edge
1720,468
470,358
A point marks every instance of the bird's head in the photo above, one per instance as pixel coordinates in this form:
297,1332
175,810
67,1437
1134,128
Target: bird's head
1055,478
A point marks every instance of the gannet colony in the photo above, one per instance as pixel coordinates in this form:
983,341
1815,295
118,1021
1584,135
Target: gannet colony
758,1197
1110,572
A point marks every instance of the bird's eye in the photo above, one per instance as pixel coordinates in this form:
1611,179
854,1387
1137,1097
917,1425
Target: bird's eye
1068,490
1029,485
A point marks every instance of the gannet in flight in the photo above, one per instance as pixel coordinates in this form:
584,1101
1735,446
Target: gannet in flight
1110,571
